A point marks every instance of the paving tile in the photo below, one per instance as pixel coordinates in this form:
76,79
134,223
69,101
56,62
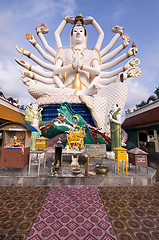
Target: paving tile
19,206
133,211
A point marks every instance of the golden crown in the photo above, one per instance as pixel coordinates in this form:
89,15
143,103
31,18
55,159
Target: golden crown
79,20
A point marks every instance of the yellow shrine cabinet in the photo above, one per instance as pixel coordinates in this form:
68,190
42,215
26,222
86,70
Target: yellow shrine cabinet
41,143
15,145
120,155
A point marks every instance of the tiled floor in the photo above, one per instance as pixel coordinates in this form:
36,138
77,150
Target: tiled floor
19,207
132,211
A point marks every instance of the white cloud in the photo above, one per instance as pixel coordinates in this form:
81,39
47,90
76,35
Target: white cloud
136,93
47,9
11,84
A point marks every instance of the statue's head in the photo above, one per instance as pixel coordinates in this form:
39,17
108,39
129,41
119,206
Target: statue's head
34,106
78,32
115,107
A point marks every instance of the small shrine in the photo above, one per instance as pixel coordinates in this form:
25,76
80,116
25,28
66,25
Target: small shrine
15,145
138,158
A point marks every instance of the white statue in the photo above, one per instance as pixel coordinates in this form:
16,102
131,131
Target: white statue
77,72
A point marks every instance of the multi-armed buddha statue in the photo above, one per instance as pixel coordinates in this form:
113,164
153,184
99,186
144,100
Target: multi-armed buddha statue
79,76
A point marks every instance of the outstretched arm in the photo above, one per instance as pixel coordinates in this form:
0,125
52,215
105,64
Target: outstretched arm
118,78
34,69
34,58
117,50
100,34
118,30
38,78
132,51
43,30
116,71
58,32
32,40
90,20
60,29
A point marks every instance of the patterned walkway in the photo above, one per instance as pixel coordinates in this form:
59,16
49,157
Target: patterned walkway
72,213
132,211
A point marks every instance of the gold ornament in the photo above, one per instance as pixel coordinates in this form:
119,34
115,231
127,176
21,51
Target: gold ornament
137,72
77,82
79,16
29,36
22,50
134,62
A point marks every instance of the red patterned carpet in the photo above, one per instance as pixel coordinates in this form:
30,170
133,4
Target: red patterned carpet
72,213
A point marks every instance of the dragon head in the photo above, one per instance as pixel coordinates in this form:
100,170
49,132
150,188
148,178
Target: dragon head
68,118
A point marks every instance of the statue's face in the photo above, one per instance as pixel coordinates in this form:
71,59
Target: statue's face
114,107
34,107
78,35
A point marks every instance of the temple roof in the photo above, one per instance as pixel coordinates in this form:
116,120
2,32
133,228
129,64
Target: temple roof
9,112
143,117
15,125
137,151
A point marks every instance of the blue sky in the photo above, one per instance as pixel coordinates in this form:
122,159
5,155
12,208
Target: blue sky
140,19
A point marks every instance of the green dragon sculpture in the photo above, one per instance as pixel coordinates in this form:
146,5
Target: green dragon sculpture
67,119
150,99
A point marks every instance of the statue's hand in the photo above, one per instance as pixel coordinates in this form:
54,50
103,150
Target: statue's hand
122,76
133,62
110,118
30,37
127,65
78,59
25,80
69,19
126,39
22,50
132,51
135,71
22,63
42,28
77,63
88,20
117,29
